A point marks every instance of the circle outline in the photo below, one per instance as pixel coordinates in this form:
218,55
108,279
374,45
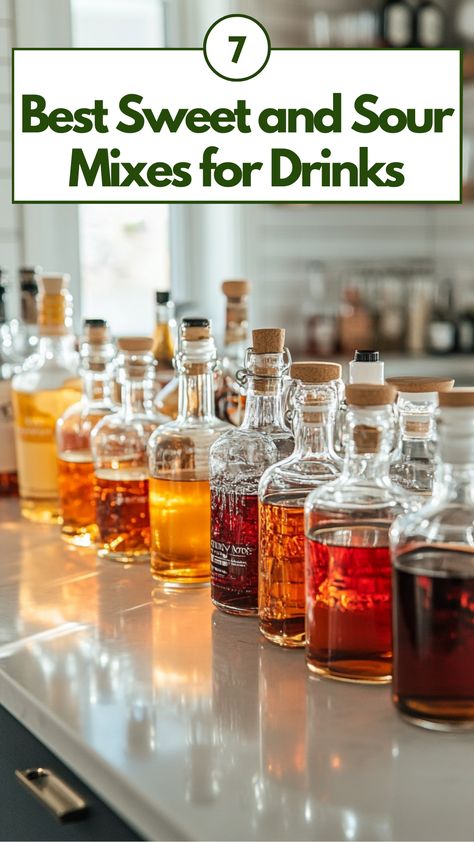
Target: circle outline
230,78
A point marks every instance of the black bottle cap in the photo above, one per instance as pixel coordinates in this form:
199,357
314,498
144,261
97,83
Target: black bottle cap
94,323
366,356
162,297
196,323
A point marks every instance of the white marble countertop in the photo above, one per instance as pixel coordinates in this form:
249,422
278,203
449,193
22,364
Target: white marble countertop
191,726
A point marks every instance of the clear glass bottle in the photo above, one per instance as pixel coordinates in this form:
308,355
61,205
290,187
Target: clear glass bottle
24,331
41,392
73,430
348,572
433,560
282,493
8,469
164,339
118,444
230,402
178,459
237,461
414,460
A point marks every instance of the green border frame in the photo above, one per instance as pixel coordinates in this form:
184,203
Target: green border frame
300,202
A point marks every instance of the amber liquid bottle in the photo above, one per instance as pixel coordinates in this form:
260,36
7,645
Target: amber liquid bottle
282,493
73,430
178,459
42,391
118,444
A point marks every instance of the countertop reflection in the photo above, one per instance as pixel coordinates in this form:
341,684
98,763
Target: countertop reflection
192,726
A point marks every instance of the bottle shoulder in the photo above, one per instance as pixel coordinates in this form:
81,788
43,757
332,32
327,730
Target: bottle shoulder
46,374
438,521
361,497
298,475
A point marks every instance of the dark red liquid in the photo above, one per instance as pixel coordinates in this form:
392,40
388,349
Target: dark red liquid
234,551
433,638
348,622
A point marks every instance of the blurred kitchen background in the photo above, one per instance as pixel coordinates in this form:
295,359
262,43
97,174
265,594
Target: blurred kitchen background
397,278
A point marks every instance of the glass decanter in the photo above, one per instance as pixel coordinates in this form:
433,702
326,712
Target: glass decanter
282,493
46,386
237,461
348,572
230,401
118,444
178,459
433,560
414,460
73,430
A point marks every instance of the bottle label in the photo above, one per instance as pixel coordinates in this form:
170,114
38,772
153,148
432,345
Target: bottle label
7,436
35,421
398,29
232,561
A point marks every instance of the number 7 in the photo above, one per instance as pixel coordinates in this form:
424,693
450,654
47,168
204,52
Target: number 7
240,41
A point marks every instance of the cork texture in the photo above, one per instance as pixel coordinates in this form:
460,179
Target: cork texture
316,372
457,397
269,340
235,289
54,282
421,384
370,394
135,343
194,333
96,335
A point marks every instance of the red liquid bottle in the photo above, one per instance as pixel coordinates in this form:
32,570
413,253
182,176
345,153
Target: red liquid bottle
348,573
237,461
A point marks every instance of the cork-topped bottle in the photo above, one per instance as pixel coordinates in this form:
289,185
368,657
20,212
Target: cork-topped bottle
73,431
433,560
178,460
414,461
348,572
230,402
119,443
282,493
42,391
237,461
164,338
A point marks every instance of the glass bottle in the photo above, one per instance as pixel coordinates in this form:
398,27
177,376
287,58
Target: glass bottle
230,402
164,338
24,331
178,459
8,469
282,493
433,560
414,461
237,461
118,445
73,430
348,573
41,392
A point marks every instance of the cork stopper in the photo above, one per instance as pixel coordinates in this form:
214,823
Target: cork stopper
316,372
457,398
54,282
236,289
268,340
366,439
192,330
421,384
138,344
96,331
55,305
370,394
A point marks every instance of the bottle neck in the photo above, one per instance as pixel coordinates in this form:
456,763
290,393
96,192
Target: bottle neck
264,405
236,328
368,446
457,483
196,393
137,397
314,434
96,386
56,347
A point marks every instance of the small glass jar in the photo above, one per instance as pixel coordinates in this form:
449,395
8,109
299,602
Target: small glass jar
178,459
348,572
237,461
75,465
433,560
118,444
282,493
414,460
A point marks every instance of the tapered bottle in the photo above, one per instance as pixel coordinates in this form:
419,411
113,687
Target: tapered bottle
47,385
415,459
119,443
282,493
73,431
433,561
348,573
230,401
178,459
164,339
237,461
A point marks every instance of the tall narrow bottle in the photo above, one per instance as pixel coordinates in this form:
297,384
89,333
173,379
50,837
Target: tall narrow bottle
178,458
8,470
164,338
433,559
282,493
348,572
25,330
118,445
229,398
73,430
42,391
414,461
237,461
